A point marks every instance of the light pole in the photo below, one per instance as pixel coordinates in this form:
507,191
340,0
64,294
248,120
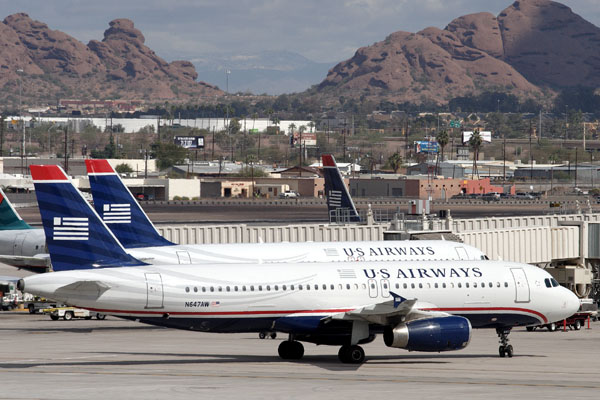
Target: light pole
20,72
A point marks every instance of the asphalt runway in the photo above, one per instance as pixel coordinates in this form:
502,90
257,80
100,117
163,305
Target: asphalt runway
116,359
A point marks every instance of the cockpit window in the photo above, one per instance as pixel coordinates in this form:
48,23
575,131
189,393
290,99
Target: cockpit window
554,283
547,282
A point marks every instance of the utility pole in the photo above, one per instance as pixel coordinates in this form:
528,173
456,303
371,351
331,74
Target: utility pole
576,148
66,148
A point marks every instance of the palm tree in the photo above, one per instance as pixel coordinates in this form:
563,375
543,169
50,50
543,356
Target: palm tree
442,139
254,116
301,129
395,161
475,143
311,125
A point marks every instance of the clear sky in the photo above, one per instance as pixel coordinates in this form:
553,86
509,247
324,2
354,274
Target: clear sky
322,30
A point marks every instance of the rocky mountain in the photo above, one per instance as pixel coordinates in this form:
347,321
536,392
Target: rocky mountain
56,65
532,47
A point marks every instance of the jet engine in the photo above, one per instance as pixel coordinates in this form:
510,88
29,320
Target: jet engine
430,334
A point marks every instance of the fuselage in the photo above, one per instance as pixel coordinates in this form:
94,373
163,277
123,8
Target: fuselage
240,298
307,252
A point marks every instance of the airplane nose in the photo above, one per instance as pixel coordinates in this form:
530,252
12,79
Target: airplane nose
573,303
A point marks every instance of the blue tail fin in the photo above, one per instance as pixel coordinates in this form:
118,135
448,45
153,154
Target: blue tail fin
338,198
9,218
76,236
119,209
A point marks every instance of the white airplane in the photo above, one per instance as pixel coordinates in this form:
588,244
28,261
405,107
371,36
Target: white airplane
20,245
132,227
417,305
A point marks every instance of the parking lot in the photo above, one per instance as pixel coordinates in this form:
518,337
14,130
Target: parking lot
120,359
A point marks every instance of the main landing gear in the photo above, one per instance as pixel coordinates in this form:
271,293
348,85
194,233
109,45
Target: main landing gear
291,349
505,349
351,354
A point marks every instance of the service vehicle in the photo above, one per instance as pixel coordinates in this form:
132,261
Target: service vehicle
9,297
289,194
68,313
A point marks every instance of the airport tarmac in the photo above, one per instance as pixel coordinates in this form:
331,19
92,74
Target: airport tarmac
116,359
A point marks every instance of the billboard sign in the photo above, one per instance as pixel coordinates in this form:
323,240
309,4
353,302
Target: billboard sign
426,147
190,142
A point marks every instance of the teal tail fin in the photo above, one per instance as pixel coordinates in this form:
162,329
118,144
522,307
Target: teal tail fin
9,218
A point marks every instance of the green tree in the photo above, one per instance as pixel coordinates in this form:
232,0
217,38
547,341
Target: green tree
395,162
169,154
123,168
475,144
442,139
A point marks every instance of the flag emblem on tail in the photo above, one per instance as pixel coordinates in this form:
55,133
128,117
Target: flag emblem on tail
71,228
335,198
116,213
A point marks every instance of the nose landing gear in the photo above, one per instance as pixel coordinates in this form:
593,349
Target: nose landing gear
505,349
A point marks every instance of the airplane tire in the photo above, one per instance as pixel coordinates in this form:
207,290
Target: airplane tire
351,354
552,327
502,351
284,350
509,351
262,335
577,325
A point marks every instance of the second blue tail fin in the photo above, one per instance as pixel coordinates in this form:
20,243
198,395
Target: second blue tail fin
76,236
338,198
119,209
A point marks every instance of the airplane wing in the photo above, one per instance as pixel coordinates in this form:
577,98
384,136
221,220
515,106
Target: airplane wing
389,312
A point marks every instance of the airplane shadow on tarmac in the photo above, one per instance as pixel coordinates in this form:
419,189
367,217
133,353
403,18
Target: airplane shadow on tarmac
328,362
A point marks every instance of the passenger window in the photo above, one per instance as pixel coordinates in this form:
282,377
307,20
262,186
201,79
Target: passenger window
497,284
252,288
412,285
276,287
228,289
203,289
444,285
187,289
291,287
195,289
324,287
397,286
243,288
299,287
212,288
268,288
452,285
435,285
348,286
332,287
307,287
467,284
364,286
420,286
505,284
459,285
220,289
372,286
260,288
316,287
474,284
385,286
234,288
283,287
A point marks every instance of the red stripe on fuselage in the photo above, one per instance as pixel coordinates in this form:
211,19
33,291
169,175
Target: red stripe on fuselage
287,312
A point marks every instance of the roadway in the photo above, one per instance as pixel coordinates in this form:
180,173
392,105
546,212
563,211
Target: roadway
120,359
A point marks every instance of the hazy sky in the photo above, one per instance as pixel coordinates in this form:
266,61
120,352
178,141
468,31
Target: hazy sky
322,30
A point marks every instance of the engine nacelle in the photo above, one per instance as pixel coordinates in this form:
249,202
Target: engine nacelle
430,334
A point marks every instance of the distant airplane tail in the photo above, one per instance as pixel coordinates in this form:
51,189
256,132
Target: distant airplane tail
119,209
9,218
338,198
76,236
